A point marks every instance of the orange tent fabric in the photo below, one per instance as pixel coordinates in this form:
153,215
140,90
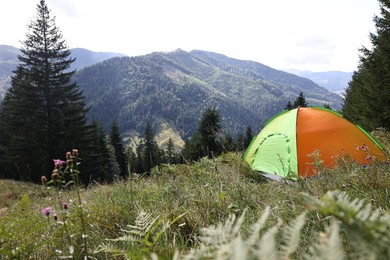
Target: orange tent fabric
331,135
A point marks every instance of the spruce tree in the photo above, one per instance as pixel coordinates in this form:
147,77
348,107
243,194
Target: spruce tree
43,114
209,127
248,136
150,153
300,101
367,98
120,155
170,151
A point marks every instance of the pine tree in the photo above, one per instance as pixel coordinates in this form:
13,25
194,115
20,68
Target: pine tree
300,101
367,98
170,151
120,155
248,136
209,127
288,106
240,142
150,153
43,114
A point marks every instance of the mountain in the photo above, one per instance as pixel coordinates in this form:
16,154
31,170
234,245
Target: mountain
174,88
9,61
85,58
334,81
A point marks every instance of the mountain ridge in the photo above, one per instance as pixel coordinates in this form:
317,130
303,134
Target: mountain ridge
175,88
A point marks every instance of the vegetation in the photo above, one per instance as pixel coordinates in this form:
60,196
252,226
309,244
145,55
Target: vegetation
113,203
300,101
177,86
209,209
43,111
367,98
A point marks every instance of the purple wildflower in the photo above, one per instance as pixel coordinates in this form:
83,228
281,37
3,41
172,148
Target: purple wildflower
58,163
46,211
65,205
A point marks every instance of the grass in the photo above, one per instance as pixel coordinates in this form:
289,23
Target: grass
181,199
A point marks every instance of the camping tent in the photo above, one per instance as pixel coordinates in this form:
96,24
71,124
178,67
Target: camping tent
292,142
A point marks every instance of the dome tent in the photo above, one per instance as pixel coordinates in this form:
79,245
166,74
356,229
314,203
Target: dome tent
290,141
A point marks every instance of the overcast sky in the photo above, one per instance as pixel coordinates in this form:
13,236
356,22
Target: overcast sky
316,35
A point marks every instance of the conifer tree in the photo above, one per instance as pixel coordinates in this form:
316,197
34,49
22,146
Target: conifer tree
170,151
289,106
240,142
43,114
367,98
300,101
209,127
150,153
248,136
120,154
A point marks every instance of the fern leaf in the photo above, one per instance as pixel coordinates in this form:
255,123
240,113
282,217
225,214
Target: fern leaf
257,227
291,236
328,246
267,249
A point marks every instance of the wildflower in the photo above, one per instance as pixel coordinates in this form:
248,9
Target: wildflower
55,174
68,155
58,163
344,186
65,206
46,211
75,152
69,162
55,217
43,180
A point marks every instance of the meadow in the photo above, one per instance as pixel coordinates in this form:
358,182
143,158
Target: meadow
210,209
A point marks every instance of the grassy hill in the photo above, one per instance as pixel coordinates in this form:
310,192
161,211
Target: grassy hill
207,210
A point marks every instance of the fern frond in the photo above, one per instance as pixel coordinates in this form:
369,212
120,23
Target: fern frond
143,223
291,234
223,233
365,228
267,249
328,246
254,232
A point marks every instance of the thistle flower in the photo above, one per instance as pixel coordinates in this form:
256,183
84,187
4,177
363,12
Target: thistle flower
46,211
68,155
69,162
75,152
55,174
43,180
65,206
58,163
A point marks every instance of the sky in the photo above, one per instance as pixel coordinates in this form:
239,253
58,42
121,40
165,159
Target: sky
313,35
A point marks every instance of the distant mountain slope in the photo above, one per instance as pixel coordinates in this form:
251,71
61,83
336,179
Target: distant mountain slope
9,61
85,58
176,87
334,81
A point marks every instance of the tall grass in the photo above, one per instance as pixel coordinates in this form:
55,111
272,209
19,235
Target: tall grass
182,200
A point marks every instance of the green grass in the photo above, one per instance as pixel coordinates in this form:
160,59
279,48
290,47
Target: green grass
182,199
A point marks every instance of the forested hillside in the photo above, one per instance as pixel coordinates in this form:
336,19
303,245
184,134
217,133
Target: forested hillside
177,86
9,61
